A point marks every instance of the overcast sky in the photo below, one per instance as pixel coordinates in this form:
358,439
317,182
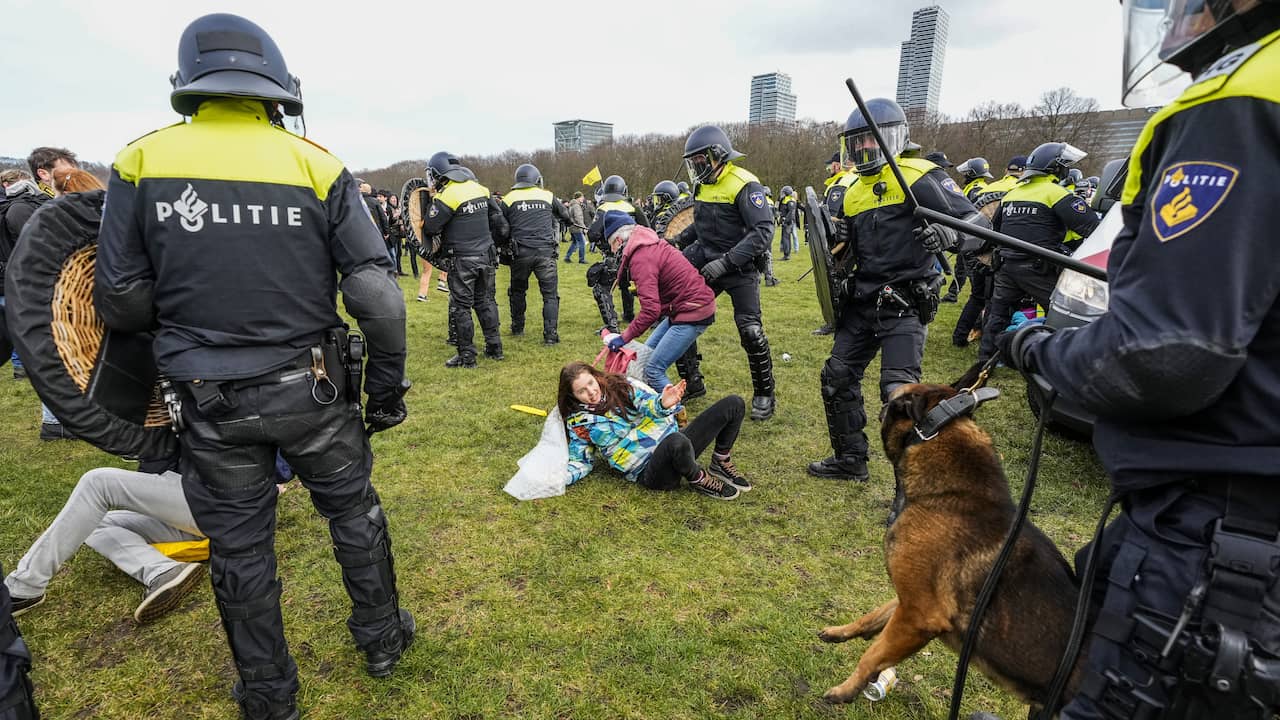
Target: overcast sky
416,76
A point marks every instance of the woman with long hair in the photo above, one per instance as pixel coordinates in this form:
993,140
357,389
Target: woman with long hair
76,180
634,430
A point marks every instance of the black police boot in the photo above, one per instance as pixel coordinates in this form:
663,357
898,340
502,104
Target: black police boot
459,361
841,468
382,656
687,368
950,297
494,353
826,329
761,364
762,407
255,706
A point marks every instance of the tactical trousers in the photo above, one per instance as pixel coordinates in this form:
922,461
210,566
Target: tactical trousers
1014,280
863,329
17,701
743,290
231,490
1151,557
981,280
602,291
473,284
962,273
787,240
544,269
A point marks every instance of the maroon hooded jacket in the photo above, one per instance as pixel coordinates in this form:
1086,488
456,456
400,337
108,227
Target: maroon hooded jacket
667,284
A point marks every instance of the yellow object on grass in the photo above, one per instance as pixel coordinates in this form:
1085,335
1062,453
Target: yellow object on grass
185,550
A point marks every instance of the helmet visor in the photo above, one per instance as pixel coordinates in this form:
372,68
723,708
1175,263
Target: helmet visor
860,151
701,167
1148,80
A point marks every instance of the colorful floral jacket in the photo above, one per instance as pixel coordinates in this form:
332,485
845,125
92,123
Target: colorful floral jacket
626,443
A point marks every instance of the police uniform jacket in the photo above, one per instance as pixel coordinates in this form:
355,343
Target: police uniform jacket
879,225
1042,212
1184,371
836,186
975,187
731,219
788,210
225,233
595,233
467,218
531,214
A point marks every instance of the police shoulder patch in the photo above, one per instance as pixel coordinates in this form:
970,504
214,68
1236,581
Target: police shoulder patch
1080,206
952,186
1189,192
434,211
757,199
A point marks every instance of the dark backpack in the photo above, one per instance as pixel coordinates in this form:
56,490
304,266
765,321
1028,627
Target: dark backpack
9,239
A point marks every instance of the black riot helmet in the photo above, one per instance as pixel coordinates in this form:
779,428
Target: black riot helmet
1053,158
445,166
527,176
665,192
683,187
223,55
787,191
974,168
1074,177
858,147
768,191
706,152
614,188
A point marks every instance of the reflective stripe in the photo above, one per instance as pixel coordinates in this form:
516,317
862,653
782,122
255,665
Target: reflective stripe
1038,189
861,195
726,188
456,193
621,205
529,193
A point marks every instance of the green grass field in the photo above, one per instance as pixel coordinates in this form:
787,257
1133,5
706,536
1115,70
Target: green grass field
608,602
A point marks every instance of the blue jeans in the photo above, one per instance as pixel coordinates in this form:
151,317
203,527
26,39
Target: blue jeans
577,240
668,342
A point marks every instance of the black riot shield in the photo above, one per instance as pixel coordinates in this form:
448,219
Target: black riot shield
818,231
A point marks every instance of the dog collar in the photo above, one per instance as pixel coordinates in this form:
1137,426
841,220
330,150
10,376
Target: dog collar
950,409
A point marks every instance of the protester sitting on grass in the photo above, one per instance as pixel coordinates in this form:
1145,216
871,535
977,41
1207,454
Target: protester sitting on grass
671,290
635,431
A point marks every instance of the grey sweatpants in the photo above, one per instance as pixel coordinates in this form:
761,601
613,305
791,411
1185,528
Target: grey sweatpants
117,512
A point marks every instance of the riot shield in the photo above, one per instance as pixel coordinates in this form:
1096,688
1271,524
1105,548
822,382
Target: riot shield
818,231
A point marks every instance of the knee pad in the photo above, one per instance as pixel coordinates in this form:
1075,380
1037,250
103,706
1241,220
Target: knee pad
836,377
752,336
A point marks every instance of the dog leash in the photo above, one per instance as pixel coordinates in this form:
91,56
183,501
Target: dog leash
1002,559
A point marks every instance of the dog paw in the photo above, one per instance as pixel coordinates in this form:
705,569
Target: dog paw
833,634
837,695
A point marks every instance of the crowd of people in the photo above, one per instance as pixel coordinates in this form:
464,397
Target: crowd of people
278,386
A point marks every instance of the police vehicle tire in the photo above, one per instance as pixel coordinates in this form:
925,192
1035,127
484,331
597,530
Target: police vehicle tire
57,332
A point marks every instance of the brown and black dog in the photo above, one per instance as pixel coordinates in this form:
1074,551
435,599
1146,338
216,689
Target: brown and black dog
951,514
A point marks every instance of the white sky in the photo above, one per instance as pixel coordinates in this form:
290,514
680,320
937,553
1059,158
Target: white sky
400,80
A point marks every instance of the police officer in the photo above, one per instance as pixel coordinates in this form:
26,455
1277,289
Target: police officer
770,280
602,275
16,700
683,187
1040,211
465,218
787,218
533,213
731,232
978,260
891,296
976,173
664,201
1181,377
232,237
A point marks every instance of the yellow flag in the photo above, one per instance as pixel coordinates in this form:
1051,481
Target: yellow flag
592,177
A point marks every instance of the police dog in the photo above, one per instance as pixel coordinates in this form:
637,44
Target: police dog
950,516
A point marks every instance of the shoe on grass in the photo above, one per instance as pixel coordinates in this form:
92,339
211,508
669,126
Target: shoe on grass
22,605
167,590
728,472
714,487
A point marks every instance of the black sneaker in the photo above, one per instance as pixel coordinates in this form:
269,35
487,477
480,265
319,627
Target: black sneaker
727,471
168,590
256,706
55,431
457,361
382,656
824,330
21,605
762,407
714,487
835,468
494,354
442,286
770,282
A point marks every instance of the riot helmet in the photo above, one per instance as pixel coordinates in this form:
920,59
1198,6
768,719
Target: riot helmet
911,150
974,168
1053,158
787,191
614,188
665,193
768,191
706,152
683,187
444,166
224,55
1074,178
858,147
527,176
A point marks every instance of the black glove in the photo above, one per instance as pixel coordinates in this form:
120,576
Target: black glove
715,269
388,412
935,238
1013,345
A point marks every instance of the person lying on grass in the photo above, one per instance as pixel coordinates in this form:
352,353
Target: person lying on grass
635,431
